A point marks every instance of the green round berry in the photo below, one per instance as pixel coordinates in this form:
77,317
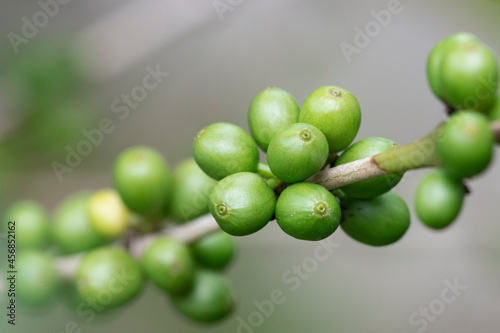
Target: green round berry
223,149
271,111
31,224
297,152
142,179
38,279
214,251
469,77
494,111
379,221
336,112
108,277
169,264
308,211
72,230
209,300
466,144
370,188
438,199
242,203
192,188
107,213
438,53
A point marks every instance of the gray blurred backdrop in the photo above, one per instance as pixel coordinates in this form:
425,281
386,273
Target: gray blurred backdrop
217,61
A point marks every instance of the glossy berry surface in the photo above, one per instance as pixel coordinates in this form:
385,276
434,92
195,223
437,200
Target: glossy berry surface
108,277
466,144
242,203
271,111
142,178
308,211
209,300
438,199
214,251
297,152
31,224
191,189
39,282
372,187
336,112
72,229
223,149
107,213
379,221
169,264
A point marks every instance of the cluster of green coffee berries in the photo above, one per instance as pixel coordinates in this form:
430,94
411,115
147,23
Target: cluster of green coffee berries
463,73
227,179
100,224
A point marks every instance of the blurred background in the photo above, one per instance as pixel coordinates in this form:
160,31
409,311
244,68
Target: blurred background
61,77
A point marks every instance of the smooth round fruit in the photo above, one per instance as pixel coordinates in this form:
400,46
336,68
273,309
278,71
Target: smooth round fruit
494,111
466,144
169,264
72,230
107,213
308,211
271,111
370,188
208,301
214,251
438,53
438,199
379,221
297,152
31,223
107,278
469,77
242,203
336,112
37,280
142,179
223,149
192,187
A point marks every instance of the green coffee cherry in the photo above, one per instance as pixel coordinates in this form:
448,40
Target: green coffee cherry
107,278
169,264
440,52
469,77
379,221
372,187
72,230
297,152
307,211
336,112
223,149
494,111
438,199
38,280
271,111
466,144
192,188
107,213
209,300
31,224
242,203
215,250
142,179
